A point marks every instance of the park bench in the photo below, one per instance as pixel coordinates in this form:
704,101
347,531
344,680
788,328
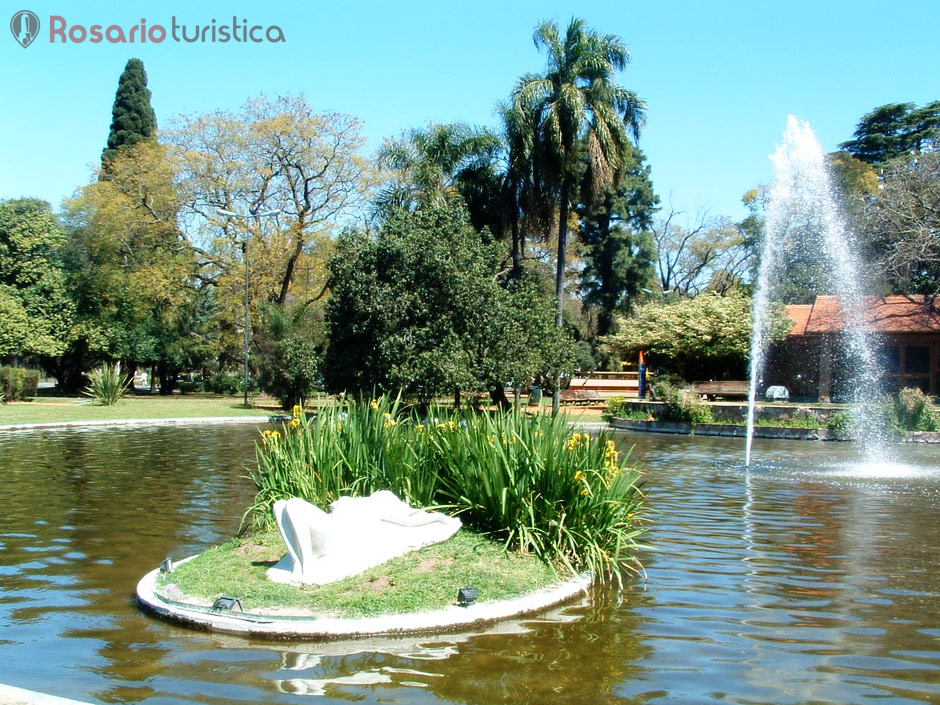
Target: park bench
600,386
725,389
580,396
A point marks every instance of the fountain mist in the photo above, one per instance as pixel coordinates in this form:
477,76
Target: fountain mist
803,212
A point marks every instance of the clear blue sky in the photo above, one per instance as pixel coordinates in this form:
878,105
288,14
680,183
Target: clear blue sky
719,77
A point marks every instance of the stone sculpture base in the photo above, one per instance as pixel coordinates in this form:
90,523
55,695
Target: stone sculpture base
357,534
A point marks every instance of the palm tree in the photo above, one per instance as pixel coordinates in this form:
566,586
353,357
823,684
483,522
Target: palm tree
434,165
581,115
527,206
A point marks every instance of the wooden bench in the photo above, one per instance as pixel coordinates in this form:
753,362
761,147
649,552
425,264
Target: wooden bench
607,384
580,396
724,388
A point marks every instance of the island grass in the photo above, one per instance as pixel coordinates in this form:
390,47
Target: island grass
418,581
51,409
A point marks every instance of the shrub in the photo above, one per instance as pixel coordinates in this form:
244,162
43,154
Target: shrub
225,383
914,412
569,498
682,405
621,408
107,385
18,383
289,353
840,421
617,406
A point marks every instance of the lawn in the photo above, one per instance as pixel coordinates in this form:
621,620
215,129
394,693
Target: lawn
51,409
418,581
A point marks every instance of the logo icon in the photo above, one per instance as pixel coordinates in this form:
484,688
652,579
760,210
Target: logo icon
25,27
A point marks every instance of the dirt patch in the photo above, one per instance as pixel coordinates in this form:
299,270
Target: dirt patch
380,584
430,565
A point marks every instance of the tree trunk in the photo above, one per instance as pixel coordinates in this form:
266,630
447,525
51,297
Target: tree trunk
457,399
560,276
498,397
516,246
289,270
167,380
69,369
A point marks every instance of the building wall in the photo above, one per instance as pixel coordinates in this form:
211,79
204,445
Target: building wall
794,364
817,368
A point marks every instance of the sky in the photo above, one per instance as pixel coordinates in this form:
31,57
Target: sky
719,78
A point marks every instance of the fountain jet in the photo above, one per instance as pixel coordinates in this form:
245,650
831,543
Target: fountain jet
802,212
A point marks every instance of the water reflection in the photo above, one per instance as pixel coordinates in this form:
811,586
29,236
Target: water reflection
802,580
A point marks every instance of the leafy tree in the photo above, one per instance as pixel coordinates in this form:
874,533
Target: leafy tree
290,350
578,111
902,226
894,129
37,311
131,269
855,179
14,324
619,245
291,175
132,117
419,307
276,156
707,337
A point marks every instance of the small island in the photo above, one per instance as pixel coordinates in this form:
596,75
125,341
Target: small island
546,510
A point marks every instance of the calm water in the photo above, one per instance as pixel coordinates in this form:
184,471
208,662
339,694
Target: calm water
805,580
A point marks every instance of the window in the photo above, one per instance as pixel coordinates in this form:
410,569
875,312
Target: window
917,360
891,359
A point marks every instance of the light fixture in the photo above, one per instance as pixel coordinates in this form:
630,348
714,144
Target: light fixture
466,596
227,604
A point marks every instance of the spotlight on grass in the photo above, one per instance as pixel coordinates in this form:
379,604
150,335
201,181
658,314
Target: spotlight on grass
466,596
227,604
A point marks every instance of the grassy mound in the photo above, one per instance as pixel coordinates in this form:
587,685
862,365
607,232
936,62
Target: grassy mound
419,581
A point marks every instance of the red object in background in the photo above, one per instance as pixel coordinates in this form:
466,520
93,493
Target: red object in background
642,371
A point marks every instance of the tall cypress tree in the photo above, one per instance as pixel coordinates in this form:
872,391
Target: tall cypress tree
132,117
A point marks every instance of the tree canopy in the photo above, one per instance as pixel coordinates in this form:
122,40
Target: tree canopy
894,129
131,268
902,225
132,117
706,337
619,247
419,307
35,310
440,163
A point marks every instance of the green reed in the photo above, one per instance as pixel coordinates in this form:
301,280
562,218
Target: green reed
568,497
107,385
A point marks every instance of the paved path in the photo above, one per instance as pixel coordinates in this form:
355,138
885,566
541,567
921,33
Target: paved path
10,695
140,422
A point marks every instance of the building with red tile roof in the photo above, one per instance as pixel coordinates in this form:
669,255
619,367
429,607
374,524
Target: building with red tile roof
813,363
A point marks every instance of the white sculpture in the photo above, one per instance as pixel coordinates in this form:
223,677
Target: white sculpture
358,533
